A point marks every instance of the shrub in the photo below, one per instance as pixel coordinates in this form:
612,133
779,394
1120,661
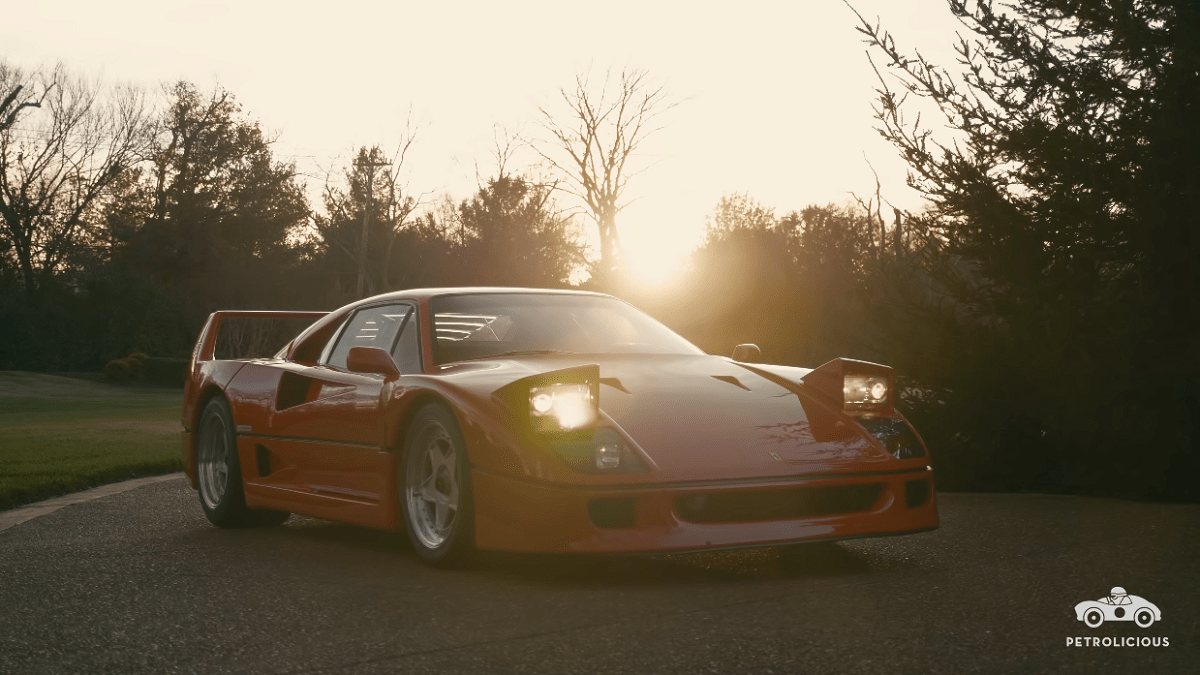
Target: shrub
117,370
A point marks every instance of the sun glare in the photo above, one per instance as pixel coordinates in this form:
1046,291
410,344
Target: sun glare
654,254
655,264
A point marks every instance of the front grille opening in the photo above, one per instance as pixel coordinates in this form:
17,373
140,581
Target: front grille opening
786,504
612,512
916,492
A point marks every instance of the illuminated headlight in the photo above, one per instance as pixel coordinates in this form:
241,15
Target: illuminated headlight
864,389
562,407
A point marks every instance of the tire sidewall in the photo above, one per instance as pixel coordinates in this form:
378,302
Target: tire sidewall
231,509
461,540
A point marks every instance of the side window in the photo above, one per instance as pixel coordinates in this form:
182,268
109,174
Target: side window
407,353
370,327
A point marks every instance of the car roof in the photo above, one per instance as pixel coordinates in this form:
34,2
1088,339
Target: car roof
427,293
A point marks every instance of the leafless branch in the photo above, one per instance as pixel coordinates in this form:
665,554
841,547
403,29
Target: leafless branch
77,141
592,145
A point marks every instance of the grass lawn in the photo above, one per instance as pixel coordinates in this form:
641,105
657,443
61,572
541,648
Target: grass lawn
60,435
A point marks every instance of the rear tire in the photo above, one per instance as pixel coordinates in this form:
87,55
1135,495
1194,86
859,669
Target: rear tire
219,473
434,489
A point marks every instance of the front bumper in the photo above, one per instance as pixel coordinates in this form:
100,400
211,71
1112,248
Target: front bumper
518,515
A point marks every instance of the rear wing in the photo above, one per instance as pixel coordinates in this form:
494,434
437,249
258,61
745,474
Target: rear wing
206,345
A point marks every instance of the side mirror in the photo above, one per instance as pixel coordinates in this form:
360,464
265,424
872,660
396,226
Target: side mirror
372,360
747,353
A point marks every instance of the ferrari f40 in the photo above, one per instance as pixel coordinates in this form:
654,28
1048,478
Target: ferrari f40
545,421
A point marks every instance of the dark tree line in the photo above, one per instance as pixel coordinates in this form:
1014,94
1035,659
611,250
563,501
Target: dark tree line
1055,292
122,227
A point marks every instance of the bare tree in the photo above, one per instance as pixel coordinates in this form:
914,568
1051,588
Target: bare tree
592,145
397,206
13,95
72,143
379,204
505,144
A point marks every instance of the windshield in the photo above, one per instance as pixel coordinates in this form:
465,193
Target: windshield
495,324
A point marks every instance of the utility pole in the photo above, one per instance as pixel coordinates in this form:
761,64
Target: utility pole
370,163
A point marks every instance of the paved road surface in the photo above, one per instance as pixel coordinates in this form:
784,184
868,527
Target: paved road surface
138,582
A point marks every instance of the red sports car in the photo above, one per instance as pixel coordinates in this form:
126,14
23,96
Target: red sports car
556,421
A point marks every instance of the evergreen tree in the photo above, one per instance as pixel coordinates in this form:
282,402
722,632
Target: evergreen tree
1063,238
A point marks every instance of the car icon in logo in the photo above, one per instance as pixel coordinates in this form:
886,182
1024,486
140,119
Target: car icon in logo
1118,606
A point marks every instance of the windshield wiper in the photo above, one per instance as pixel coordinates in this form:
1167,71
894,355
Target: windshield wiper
531,352
519,352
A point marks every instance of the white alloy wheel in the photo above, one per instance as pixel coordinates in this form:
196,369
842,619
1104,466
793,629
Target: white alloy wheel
212,459
436,502
219,474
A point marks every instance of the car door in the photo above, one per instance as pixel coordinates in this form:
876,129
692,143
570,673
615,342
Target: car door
326,422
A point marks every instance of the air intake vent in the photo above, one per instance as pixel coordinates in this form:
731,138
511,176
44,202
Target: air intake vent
293,390
787,504
264,460
916,492
612,513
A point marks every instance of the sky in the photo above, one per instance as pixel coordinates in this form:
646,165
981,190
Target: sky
774,99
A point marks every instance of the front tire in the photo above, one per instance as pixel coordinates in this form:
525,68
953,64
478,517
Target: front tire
433,482
219,473
1093,618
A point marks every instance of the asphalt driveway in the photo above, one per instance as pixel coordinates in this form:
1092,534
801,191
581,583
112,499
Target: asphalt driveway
139,582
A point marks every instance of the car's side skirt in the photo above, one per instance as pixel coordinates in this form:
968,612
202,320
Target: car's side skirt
348,482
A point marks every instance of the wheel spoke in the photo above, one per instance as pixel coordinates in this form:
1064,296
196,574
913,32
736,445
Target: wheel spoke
431,484
428,495
439,516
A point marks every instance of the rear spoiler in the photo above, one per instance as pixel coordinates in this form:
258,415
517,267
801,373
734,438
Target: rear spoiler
206,346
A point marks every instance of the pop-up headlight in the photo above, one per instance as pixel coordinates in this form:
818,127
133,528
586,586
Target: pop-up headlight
561,406
564,410
864,389
856,385
559,402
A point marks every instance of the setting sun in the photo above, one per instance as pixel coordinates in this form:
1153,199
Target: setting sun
656,261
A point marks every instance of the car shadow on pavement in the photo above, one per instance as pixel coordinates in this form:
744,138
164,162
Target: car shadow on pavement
331,532
799,561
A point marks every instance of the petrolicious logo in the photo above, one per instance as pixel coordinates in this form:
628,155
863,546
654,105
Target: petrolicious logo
1118,605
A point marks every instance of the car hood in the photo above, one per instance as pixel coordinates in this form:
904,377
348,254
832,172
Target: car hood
702,417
